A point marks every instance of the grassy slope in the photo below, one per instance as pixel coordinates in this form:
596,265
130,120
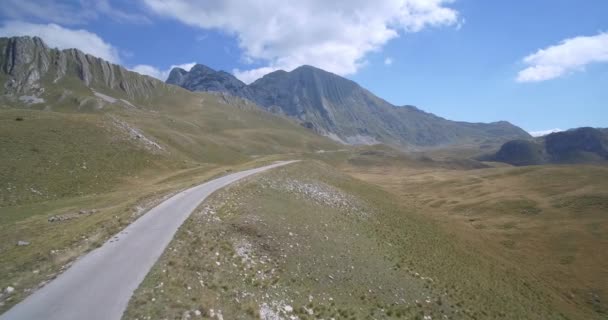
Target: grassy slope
546,225
358,251
68,154
50,155
50,149
53,246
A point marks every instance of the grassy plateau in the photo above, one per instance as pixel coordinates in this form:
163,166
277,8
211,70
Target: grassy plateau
347,233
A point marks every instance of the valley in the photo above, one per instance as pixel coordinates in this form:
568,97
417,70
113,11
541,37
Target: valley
390,212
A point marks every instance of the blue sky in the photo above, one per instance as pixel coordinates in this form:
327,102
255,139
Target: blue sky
540,64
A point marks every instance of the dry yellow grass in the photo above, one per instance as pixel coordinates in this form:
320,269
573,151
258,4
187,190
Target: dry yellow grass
548,223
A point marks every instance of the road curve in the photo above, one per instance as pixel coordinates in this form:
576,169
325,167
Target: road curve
100,284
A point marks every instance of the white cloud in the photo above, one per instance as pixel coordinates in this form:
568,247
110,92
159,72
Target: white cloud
160,74
388,61
568,56
67,13
63,38
249,76
544,132
333,35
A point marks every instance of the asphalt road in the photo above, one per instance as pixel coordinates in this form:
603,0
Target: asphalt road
100,284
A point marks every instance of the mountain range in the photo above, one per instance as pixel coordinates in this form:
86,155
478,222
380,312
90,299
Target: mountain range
343,110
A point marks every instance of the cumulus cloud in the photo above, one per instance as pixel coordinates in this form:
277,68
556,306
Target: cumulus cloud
388,61
63,38
544,132
333,35
568,56
67,13
160,74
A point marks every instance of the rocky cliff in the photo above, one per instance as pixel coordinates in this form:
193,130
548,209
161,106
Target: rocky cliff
28,64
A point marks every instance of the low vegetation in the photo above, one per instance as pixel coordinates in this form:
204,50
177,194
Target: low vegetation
111,154
545,225
309,242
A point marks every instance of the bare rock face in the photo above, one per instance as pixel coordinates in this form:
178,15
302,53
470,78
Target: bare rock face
25,59
28,63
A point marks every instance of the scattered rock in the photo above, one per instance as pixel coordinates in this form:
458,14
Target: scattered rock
9,290
320,193
23,243
69,216
136,134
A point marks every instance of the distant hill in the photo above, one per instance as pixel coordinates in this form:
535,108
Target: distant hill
521,153
582,145
341,109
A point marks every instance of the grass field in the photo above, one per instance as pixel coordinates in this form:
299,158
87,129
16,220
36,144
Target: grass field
54,245
360,233
83,154
311,242
547,224
366,232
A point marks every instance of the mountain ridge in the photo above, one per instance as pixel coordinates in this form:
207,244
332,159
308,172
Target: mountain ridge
343,110
28,60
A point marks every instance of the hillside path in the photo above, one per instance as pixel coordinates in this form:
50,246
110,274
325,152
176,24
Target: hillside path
100,284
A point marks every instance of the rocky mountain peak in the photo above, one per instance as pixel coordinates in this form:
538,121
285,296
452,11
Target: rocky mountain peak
204,78
176,76
202,69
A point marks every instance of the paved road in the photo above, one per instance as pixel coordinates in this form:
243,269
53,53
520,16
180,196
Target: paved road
100,284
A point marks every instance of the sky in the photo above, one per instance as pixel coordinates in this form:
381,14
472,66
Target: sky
539,64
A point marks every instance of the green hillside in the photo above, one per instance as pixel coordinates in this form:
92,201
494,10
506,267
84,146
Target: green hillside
85,124
88,146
